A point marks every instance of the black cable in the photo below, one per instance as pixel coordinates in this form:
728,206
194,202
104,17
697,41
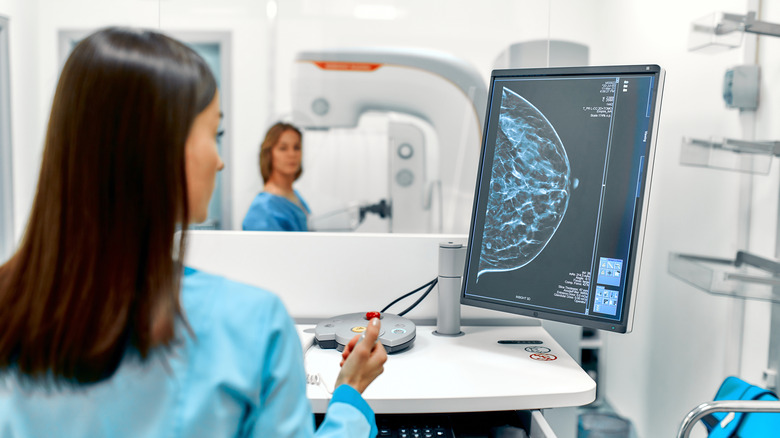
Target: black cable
410,293
430,288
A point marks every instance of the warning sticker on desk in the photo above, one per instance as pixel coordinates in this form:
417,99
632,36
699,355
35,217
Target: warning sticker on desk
543,356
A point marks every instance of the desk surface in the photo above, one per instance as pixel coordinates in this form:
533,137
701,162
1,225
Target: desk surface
463,374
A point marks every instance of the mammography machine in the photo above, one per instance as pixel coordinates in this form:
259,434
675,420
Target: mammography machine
433,144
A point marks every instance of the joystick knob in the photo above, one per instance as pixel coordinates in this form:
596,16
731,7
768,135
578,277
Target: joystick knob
372,315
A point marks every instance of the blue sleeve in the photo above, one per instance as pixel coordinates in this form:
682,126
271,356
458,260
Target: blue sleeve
348,411
284,409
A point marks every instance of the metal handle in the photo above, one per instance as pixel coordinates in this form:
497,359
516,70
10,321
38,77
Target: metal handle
705,409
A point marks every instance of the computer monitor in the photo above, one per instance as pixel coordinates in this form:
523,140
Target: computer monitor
562,190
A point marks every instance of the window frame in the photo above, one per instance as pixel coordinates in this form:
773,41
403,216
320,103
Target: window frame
6,153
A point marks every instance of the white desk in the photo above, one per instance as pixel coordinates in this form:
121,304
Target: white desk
319,275
463,374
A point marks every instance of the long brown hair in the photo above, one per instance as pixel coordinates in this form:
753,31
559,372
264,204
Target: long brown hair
95,275
270,140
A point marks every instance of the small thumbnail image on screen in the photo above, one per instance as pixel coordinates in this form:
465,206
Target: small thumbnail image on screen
606,301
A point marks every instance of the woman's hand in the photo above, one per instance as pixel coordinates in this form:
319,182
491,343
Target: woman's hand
363,360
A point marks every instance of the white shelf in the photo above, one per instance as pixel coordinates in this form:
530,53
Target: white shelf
707,35
721,31
726,277
729,154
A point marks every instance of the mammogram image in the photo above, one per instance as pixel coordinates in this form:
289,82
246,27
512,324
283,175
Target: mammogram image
529,187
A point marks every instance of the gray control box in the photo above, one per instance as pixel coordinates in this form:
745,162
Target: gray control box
396,334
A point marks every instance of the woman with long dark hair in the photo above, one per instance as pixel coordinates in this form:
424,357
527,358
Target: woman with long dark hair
103,332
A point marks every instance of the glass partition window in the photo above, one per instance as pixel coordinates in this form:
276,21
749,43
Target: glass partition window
6,176
391,96
214,47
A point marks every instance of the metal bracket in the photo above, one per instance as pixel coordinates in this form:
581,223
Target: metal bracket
746,23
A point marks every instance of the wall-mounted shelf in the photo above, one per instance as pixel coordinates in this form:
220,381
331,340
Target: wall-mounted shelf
730,154
722,31
747,276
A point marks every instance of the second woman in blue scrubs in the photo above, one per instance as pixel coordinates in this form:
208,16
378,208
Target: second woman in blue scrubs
279,207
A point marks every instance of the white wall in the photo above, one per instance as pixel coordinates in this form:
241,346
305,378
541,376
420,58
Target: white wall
683,345
763,224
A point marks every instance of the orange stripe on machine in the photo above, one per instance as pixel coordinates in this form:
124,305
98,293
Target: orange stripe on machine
347,66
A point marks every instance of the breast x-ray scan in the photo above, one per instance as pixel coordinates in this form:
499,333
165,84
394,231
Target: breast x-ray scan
564,175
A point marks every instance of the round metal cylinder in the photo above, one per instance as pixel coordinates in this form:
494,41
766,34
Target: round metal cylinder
452,259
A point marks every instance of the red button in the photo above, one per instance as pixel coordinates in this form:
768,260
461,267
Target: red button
372,315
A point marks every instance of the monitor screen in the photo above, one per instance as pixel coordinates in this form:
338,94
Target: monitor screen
562,190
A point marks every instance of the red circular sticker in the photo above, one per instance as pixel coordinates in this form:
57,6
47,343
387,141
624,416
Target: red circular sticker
543,356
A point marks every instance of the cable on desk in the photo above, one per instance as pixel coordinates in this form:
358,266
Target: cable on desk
429,285
315,379
427,291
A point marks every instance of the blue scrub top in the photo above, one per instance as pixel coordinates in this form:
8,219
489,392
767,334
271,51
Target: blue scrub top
242,375
270,212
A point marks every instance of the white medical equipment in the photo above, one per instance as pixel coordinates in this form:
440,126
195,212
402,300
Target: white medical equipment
332,88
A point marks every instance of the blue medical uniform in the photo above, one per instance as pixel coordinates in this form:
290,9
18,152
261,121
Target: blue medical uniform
270,212
241,375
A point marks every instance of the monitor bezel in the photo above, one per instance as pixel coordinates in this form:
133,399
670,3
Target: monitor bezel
625,324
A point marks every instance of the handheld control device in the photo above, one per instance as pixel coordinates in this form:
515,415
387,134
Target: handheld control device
396,334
